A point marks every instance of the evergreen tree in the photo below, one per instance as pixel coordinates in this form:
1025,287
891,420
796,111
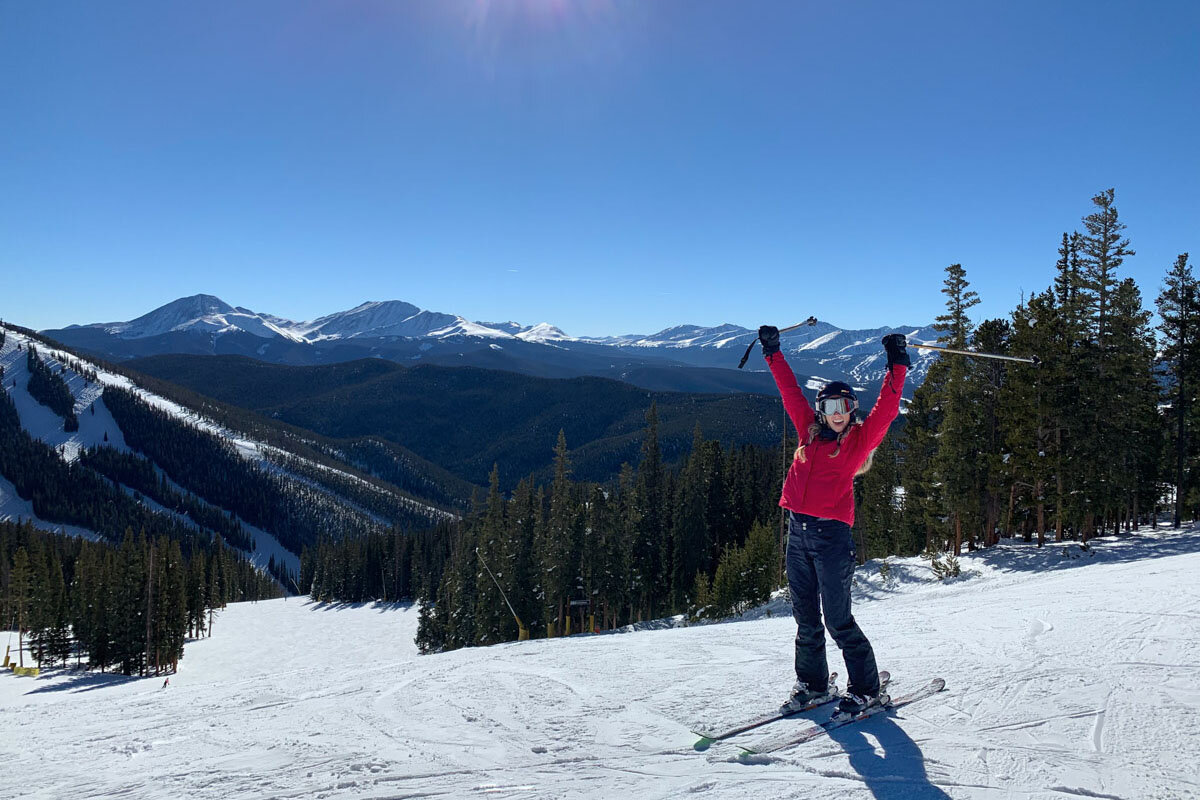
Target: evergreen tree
650,545
878,516
1102,251
690,537
922,525
560,550
1179,309
1137,425
990,377
1031,412
494,623
960,434
762,559
629,534
524,523
20,585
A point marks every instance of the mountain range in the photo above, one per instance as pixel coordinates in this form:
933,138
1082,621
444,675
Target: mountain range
688,358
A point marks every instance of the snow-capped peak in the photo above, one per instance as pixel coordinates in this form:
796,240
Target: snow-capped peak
202,313
543,332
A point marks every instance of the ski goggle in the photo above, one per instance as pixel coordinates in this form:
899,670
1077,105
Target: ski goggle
836,405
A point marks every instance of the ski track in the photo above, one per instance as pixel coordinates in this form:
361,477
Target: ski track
1076,682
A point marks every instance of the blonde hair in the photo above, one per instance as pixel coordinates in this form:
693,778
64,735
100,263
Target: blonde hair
815,429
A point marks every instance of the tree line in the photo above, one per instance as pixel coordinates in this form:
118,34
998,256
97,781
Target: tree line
1089,441
701,539
128,608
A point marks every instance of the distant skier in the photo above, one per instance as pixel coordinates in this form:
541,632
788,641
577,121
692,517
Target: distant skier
835,446
166,682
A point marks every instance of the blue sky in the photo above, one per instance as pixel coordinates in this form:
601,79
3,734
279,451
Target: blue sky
610,167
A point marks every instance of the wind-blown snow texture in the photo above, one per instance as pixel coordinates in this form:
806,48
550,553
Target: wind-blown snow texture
1070,674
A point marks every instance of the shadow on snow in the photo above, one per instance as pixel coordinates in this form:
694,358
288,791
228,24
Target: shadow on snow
81,680
896,772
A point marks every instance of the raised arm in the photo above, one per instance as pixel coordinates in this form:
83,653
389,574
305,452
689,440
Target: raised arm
887,407
794,402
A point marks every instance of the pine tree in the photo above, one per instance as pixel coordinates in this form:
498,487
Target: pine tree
1030,414
20,585
58,618
604,562
494,622
959,435
560,548
524,523
923,527
762,559
1179,309
690,538
990,377
1102,251
1138,425
629,534
129,608
650,546
41,601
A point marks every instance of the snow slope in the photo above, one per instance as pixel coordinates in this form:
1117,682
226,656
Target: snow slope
1070,674
96,423
43,423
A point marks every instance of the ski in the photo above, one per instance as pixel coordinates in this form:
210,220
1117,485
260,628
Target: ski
709,737
775,743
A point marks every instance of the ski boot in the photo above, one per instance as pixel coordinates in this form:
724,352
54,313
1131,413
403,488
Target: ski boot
802,698
852,704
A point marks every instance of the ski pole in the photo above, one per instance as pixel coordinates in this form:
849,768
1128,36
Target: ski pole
1034,360
808,322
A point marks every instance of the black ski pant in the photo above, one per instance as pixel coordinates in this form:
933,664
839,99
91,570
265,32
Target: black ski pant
820,566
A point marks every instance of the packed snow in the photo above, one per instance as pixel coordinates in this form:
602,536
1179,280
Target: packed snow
1070,673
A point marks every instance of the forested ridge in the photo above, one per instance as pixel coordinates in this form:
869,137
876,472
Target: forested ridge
72,493
466,419
210,466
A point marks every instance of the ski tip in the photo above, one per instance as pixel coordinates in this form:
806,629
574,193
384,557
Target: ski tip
702,744
938,684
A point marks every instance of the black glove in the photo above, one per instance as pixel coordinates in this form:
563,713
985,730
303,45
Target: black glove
769,336
897,349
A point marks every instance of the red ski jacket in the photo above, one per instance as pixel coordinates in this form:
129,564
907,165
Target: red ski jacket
823,484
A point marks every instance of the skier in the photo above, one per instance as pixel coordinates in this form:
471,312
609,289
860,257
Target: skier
836,445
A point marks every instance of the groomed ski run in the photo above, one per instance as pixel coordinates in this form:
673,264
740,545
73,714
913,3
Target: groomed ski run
1070,674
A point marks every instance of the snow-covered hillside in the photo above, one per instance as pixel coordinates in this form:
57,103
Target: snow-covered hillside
1070,674
97,426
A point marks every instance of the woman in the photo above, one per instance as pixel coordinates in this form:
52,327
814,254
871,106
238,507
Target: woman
835,446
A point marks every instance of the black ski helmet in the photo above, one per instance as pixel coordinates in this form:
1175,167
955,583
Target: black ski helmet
837,389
